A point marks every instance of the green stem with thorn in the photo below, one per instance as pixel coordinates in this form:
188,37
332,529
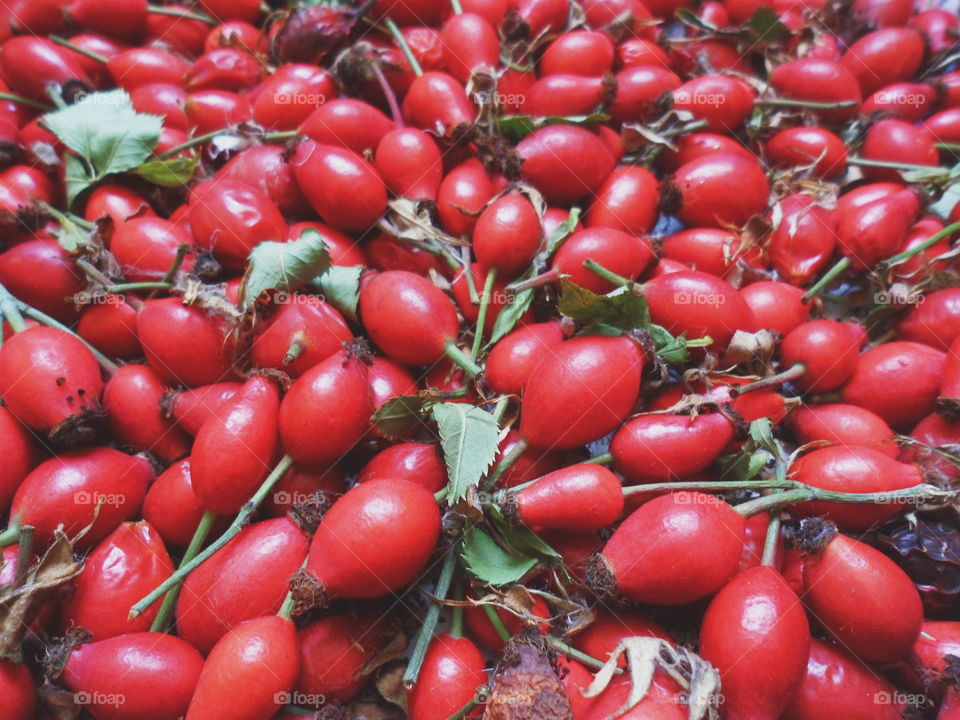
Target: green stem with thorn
235,527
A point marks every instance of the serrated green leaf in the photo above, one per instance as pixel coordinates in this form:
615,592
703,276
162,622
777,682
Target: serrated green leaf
518,127
562,231
521,538
175,172
107,135
340,286
469,437
490,563
283,266
623,309
399,414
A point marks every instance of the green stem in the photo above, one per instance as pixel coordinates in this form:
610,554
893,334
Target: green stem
63,42
24,553
19,99
497,623
10,535
170,599
457,7
952,147
828,277
130,287
791,373
9,310
808,493
926,244
866,162
484,309
505,463
182,14
236,526
604,459
468,276
106,363
771,541
710,486
808,104
582,657
609,275
460,358
168,276
281,135
290,601
456,622
402,42
425,635
464,711
191,143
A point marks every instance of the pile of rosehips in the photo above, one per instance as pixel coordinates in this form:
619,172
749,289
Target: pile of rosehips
514,359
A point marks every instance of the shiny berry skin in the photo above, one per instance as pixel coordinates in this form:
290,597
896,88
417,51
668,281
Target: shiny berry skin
580,392
132,400
306,329
840,590
172,507
878,382
463,191
68,490
236,447
326,411
507,234
656,448
756,634
719,189
935,322
852,469
884,56
20,456
51,382
246,670
710,250
344,189
19,691
898,141
564,162
577,498
819,81
374,539
842,424
452,671
192,408
699,305
803,146
116,574
437,102
776,305
245,579
410,164
616,250
512,359
111,327
349,123
408,317
469,42
580,52
828,350
420,463
626,201
43,275
155,675
699,544
803,241
723,101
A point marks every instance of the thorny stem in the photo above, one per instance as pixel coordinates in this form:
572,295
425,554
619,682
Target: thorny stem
711,485
235,527
485,298
431,617
170,599
808,493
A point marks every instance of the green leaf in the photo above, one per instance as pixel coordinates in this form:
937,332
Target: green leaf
518,127
490,563
562,231
283,266
175,172
510,315
761,433
745,465
399,414
107,135
688,17
340,286
947,202
470,438
622,309
672,349
766,24
521,538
